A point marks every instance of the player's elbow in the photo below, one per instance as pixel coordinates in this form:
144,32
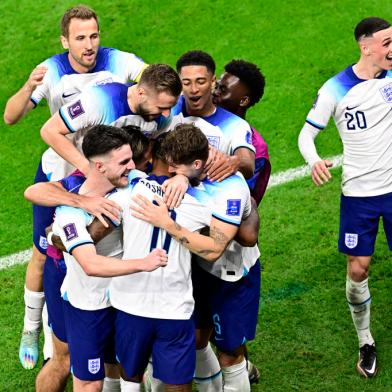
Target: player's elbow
29,194
8,119
248,240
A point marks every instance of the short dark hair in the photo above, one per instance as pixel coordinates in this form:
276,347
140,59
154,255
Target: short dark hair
162,78
196,57
138,140
249,74
77,12
368,26
184,144
101,139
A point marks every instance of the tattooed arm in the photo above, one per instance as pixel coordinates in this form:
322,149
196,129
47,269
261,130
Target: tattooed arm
208,247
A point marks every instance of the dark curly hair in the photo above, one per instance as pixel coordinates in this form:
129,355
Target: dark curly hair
196,57
250,75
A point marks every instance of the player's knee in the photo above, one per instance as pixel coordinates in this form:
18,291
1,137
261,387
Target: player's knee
358,268
87,386
37,257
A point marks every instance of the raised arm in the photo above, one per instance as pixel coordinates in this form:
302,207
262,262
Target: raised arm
20,103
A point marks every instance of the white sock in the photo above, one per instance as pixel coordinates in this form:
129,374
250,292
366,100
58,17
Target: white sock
129,386
152,384
208,375
235,378
111,385
48,341
34,302
359,299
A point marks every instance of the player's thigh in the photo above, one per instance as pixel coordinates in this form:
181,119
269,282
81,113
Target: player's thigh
174,351
359,220
134,337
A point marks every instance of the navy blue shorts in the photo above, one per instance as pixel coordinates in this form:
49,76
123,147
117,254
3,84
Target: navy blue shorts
359,220
90,336
231,308
54,273
171,343
42,216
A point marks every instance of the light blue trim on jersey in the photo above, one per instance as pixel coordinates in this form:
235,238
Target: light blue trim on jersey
67,124
65,297
67,210
74,246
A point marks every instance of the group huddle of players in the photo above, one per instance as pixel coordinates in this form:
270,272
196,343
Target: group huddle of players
173,173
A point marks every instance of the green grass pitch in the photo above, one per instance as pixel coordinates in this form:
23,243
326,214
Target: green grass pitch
305,339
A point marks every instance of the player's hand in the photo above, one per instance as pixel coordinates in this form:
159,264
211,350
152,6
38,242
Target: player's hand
100,206
36,77
223,167
157,258
154,213
320,172
175,189
213,155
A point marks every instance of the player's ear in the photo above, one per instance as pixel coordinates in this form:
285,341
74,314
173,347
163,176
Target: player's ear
64,42
140,93
198,164
213,82
99,166
245,101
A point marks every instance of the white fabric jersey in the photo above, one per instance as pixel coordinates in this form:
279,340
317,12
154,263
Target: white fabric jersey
104,104
229,201
83,291
362,110
224,130
165,293
62,84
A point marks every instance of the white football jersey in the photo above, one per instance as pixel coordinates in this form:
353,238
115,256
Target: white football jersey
224,130
228,201
362,113
104,104
83,291
62,84
165,293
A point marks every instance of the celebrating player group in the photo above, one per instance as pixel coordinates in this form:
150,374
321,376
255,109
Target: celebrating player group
145,271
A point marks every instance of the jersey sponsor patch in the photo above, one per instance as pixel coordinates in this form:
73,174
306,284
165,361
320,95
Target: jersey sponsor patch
233,207
75,109
386,93
214,141
70,231
351,240
94,365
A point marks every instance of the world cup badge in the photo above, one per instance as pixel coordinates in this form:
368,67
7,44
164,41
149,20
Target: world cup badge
94,365
351,240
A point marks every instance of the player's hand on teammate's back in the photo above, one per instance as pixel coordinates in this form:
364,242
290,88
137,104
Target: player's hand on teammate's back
321,173
175,189
99,207
223,167
157,258
154,213
36,77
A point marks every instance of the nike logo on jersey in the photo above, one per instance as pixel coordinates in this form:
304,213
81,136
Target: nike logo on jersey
353,107
68,95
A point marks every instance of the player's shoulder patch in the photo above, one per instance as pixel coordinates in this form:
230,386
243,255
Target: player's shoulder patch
70,231
233,207
76,109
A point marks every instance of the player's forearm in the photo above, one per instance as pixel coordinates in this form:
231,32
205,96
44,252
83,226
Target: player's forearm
246,162
306,144
102,266
18,105
209,248
64,148
52,194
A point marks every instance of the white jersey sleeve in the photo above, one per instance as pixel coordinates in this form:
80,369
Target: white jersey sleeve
123,63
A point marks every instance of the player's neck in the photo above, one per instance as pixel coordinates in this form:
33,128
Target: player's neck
78,67
96,185
366,70
131,98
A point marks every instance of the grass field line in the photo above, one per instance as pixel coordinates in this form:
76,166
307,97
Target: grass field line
276,179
